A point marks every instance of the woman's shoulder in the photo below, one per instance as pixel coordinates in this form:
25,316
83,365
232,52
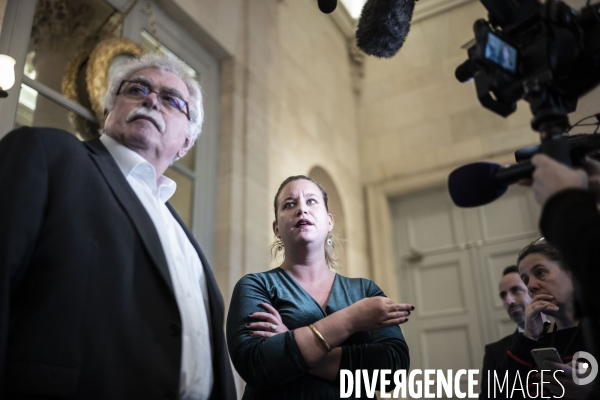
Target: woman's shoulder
367,286
265,277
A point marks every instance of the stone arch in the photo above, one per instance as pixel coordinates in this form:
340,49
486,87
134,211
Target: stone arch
335,208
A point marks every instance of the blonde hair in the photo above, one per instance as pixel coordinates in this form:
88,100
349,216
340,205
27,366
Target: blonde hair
330,256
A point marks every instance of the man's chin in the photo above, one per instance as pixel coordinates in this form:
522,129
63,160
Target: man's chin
147,123
517,316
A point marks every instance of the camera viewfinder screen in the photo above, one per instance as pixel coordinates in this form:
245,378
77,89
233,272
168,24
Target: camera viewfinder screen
500,52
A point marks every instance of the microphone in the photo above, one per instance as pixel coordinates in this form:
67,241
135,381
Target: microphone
383,26
480,183
327,6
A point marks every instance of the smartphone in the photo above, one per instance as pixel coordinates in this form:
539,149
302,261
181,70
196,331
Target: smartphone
543,354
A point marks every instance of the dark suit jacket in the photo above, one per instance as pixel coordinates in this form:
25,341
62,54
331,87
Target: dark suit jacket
87,308
494,355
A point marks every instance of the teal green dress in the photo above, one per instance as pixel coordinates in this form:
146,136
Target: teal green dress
274,368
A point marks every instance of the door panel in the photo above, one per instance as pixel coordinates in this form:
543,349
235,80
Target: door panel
430,222
439,286
514,214
449,262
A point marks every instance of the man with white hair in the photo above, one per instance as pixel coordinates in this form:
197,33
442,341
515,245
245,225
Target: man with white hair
104,293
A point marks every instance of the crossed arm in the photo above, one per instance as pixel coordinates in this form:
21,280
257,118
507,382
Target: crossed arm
272,359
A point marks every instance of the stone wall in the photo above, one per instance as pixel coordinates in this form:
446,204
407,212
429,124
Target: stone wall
288,105
417,122
415,115
292,100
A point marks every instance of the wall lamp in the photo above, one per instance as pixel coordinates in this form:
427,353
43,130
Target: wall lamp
7,74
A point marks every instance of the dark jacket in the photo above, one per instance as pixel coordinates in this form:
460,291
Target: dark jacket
494,355
87,308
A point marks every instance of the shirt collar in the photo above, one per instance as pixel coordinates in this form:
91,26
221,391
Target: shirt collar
132,164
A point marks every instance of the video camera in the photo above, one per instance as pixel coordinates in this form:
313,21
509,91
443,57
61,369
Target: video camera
547,54
526,46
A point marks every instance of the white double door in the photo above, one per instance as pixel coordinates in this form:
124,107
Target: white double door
449,261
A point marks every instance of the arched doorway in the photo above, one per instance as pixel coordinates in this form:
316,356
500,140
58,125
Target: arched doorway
335,208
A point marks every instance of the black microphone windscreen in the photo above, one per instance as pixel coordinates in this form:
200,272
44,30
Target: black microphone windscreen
327,6
383,26
474,185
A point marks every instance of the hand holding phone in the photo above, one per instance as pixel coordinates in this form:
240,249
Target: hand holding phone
543,354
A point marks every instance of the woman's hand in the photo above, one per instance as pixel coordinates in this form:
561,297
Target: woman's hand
368,314
534,321
377,312
270,324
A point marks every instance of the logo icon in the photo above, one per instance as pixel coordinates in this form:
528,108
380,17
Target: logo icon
583,367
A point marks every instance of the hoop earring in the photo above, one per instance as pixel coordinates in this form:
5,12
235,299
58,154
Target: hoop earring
279,244
329,241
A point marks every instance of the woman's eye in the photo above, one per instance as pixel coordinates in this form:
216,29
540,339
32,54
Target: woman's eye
541,273
311,201
287,205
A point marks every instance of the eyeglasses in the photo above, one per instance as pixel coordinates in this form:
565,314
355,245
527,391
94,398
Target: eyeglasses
138,91
536,242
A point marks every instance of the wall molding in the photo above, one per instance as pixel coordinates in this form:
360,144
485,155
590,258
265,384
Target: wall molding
344,21
379,216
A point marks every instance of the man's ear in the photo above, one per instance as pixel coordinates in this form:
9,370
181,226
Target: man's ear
187,145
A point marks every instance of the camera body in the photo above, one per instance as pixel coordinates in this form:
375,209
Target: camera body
547,54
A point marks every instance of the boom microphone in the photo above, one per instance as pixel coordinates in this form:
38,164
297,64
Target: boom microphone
481,183
383,26
327,6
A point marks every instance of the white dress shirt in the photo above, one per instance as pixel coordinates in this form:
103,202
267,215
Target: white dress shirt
185,267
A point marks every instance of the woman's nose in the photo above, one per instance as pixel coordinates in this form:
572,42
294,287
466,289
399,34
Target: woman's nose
301,208
532,286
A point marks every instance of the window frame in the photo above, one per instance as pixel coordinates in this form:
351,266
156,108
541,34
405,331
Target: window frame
14,41
204,176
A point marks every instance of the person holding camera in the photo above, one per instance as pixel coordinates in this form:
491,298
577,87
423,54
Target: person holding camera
570,221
